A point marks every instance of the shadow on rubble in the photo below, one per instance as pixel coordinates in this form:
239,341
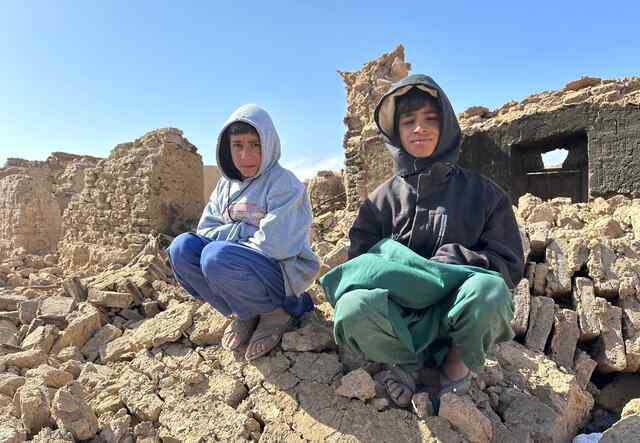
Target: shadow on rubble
292,395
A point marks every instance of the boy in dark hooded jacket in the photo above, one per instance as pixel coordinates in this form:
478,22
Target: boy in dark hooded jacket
434,251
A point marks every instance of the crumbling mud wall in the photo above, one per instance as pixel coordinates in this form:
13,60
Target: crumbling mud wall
33,195
61,173
597,121
326,192
152,183
367,164
29,215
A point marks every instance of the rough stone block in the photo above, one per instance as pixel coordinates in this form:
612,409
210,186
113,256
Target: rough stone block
565,337
624,431
540,279
10,302
97,344
568,404
208,326
564,258
28,310
522,303
584,366
357,384
631,330
82,324
608,351
465,416
540,323
41,338
583,298
109,299
56,309
34,407
75,289
72,414
24,359
165,327
8,333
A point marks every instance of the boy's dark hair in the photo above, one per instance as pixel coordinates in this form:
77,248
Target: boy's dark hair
239,128
226,162
411,102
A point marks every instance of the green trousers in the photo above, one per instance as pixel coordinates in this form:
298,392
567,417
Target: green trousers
394,306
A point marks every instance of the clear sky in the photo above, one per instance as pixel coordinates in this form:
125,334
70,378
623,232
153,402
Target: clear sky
82,77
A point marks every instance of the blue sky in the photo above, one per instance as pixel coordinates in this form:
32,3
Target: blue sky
82,77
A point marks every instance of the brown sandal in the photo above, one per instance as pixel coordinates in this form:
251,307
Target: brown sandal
394,375
242,329
268,332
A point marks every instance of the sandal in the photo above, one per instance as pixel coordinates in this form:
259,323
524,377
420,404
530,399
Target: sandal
395,376
268,331
458,387
241,329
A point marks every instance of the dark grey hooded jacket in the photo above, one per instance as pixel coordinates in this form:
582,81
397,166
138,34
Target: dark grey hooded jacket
435,207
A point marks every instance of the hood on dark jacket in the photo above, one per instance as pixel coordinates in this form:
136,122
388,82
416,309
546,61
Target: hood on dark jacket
269,141
448,146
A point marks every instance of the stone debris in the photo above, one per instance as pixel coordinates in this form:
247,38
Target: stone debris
540,321
631,408
99,343
626,430
357,384
463,414
72,414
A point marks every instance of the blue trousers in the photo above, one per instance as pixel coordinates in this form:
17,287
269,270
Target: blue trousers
232,278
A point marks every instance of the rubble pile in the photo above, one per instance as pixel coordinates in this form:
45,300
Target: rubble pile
127,355
583,288
152,183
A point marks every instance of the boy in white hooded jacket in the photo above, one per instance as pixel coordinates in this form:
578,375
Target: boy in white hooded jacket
251,256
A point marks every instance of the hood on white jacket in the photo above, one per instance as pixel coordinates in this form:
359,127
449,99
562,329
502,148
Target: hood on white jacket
269,140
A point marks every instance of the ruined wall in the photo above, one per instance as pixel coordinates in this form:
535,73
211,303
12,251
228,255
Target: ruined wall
61,173
367,163
599,120
152,183
326,192
29,214
210,177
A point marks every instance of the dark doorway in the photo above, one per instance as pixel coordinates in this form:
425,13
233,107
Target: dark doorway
568,179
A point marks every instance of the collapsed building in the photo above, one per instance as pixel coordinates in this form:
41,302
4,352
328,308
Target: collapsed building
33,197
119,352
154,183
596,121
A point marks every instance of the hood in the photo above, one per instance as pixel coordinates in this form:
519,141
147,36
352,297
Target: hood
269,140
448,146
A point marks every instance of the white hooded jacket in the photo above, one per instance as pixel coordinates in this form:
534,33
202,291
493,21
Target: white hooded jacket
269,212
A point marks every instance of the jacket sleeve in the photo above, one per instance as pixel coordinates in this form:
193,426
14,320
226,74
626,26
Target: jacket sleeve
500,246
212,223
285,227
365,231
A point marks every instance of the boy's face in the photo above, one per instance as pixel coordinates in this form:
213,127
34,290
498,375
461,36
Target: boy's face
420,131
246,153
